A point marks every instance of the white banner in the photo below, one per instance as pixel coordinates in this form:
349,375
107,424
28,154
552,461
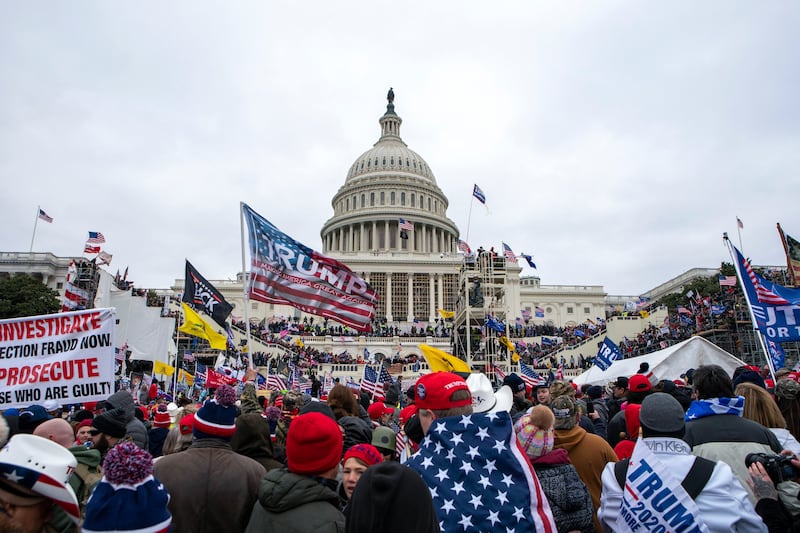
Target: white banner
67,357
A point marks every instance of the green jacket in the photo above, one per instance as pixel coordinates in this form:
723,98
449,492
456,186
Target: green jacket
290,503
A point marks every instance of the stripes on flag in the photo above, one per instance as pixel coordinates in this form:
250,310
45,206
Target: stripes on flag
370,383
406,225
464,247
95,237
727,281
478,193
276,383
499,372
509,254
529,375
764,295
44,216
384,376
74,297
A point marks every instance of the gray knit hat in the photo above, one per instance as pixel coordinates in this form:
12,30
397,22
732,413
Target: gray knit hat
662,412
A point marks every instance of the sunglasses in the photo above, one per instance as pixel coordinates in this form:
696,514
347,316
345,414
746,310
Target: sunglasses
94,432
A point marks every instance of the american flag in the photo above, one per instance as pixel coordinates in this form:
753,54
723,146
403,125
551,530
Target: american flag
529,375
285,271
539,312
74,297
44,216
499,372
119,353
294,377
464,247
370,384
406,225
199,373
727,281
399,443
261,382
89,249
479,478
560,371
276,382
95,237
384,376
327,383
509,253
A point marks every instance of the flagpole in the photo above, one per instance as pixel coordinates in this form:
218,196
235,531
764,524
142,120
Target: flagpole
750,308
469,218
35,223
244,291
739,231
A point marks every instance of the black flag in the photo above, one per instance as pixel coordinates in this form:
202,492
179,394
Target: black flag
201,295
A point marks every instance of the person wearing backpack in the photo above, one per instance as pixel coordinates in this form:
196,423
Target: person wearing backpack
722,502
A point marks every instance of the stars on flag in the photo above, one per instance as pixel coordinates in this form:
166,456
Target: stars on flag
471,466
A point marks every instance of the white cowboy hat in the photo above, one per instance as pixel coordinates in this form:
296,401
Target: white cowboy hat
484,399
39,467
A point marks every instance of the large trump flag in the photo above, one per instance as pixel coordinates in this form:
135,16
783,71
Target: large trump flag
284,271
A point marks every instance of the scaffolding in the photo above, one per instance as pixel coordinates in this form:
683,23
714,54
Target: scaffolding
83,279
483,289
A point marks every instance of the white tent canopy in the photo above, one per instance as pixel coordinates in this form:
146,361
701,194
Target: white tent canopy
669,363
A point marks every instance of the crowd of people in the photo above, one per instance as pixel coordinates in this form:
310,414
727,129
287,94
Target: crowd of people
711,451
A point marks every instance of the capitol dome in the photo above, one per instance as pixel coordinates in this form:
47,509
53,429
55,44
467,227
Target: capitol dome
386,184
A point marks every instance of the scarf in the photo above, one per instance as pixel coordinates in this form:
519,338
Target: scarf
715,406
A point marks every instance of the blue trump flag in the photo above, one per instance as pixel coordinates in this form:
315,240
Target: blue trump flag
609,352
774,307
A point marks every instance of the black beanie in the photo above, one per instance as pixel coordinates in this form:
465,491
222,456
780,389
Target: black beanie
391,498
111,423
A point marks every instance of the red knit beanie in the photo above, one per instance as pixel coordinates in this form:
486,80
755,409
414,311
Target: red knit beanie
313,444
162,419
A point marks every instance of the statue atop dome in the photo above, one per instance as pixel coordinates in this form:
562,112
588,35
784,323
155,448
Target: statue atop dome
390,95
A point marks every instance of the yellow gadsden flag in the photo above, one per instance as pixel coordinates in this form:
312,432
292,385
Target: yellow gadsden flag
159,367
185,377
195,326
441,361
447,314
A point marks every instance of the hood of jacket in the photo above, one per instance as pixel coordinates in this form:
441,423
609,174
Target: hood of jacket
86,456
281,491
252,437
122,399
570,438
559,456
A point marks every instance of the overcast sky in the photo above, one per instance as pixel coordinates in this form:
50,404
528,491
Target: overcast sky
615,141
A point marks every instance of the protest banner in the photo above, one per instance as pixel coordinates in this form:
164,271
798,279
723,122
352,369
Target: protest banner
67,357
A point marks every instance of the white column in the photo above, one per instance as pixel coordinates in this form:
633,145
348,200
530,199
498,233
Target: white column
389,317
431,295
410,276
386,234
374,243
441,292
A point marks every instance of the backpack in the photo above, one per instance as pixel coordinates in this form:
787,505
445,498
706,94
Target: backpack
694,482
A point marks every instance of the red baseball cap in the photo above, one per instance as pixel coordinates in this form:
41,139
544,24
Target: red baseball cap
407,413
639,383
378,409
433,391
